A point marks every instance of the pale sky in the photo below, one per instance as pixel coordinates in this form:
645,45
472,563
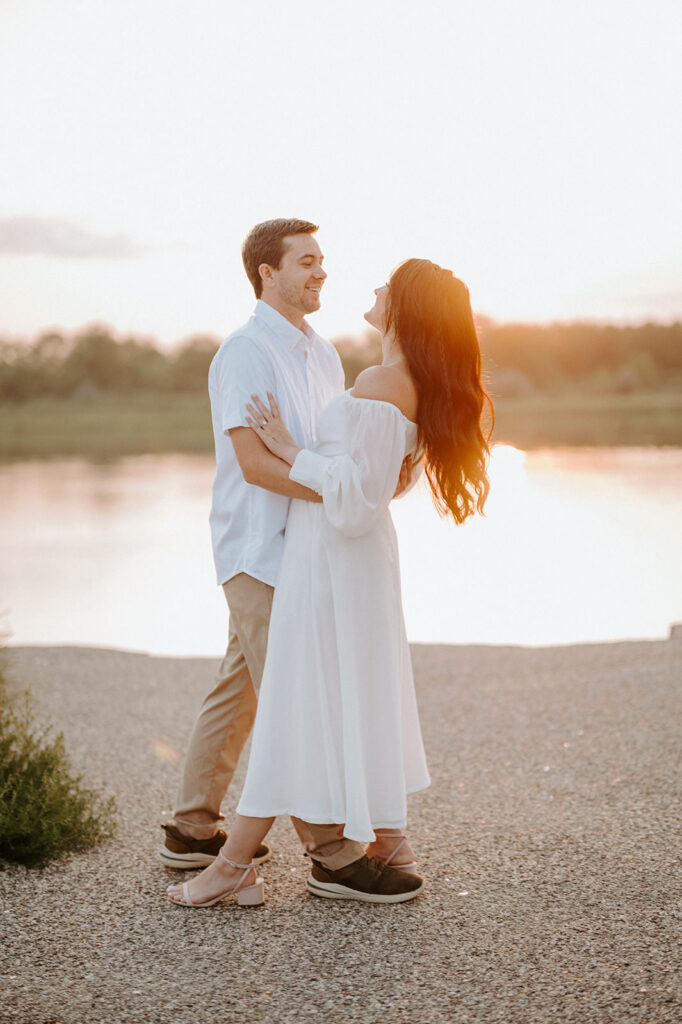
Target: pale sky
532,147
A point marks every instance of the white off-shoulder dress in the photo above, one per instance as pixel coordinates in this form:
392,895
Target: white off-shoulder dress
337,736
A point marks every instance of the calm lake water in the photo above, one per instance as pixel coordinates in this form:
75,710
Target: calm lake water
577,545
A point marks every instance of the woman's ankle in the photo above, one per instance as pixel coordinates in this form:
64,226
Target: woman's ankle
386,844
380,846
245,837
231,875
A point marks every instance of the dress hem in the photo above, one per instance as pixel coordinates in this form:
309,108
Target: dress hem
325,819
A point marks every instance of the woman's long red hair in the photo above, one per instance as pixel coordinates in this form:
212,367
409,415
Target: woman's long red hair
430,312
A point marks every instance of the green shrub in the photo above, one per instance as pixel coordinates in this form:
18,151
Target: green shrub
44,811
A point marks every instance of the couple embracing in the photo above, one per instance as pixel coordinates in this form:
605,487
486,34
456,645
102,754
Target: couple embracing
306,553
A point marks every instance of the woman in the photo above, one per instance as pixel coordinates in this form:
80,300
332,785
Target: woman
337,736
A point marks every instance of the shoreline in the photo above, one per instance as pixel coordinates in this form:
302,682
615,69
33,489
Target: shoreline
674,634
674,630
547,840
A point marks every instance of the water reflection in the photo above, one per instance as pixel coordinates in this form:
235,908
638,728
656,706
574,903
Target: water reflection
576,545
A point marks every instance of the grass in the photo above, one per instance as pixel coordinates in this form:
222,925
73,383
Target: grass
106,426
111,426
44,811
640,419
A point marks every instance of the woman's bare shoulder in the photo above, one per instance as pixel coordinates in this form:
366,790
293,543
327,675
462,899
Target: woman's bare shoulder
387,384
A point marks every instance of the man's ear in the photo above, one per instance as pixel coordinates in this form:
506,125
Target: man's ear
266,275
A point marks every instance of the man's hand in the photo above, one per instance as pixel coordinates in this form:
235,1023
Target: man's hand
405,477
410,471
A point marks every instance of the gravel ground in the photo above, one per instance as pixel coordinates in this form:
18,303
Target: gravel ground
547,840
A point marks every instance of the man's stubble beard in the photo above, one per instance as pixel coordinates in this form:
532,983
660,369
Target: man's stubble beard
303,301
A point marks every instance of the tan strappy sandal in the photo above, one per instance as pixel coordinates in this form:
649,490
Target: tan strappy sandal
247,895
410,868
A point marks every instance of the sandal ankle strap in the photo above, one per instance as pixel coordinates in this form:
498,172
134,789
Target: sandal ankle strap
396,851
233,863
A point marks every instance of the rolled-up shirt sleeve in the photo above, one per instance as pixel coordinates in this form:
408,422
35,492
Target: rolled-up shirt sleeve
357,486
244,371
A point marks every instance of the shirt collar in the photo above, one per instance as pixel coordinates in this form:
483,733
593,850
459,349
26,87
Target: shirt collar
284,330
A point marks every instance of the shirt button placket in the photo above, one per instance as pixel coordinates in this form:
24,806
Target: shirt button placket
311,417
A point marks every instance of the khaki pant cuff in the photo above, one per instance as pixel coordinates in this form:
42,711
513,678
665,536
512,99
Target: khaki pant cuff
203,830
350,852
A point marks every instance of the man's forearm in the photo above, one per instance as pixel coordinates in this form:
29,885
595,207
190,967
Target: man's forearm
273,474
263,469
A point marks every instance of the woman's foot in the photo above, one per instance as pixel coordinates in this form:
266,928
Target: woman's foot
391,847
219,879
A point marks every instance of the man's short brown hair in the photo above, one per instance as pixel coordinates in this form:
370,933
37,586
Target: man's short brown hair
265,244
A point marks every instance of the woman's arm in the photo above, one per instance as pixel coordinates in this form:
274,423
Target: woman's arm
356,486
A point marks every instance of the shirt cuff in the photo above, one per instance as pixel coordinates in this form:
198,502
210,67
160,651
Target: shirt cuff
309,469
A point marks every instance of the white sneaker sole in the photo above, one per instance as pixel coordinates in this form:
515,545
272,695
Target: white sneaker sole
334,891
188,861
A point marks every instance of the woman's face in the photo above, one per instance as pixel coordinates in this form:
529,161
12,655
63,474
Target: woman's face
376,316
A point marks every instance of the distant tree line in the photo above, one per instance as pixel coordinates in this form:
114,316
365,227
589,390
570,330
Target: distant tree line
94,361
519,359
522,358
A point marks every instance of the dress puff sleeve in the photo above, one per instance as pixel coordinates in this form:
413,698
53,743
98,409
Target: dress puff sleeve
357,486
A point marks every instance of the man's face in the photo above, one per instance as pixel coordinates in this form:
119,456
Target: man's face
300,276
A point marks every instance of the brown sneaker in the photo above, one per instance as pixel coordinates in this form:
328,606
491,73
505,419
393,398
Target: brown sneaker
365,879
182,851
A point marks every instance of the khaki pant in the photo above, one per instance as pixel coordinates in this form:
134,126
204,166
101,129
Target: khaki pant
224,724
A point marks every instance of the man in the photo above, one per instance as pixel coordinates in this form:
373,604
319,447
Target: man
275,351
